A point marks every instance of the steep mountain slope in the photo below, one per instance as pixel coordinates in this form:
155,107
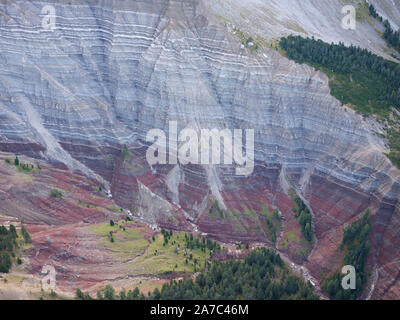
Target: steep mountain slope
388,9
113,70
273,19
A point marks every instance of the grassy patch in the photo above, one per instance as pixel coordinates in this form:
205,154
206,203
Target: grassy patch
102,229
125,152
156,256
173,256
86,205
289,237
127,239
114,209
25,168
273,222
21,167
55,193
215,211
362,12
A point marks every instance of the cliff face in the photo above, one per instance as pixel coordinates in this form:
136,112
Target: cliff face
113,70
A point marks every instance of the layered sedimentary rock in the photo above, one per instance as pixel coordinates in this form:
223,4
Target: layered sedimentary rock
113,70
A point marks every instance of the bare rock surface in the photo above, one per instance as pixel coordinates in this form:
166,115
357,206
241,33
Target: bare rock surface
113,70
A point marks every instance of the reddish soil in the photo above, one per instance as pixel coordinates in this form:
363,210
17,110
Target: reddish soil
59,225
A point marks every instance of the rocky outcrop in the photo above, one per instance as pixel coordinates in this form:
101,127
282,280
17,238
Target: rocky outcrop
113,70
